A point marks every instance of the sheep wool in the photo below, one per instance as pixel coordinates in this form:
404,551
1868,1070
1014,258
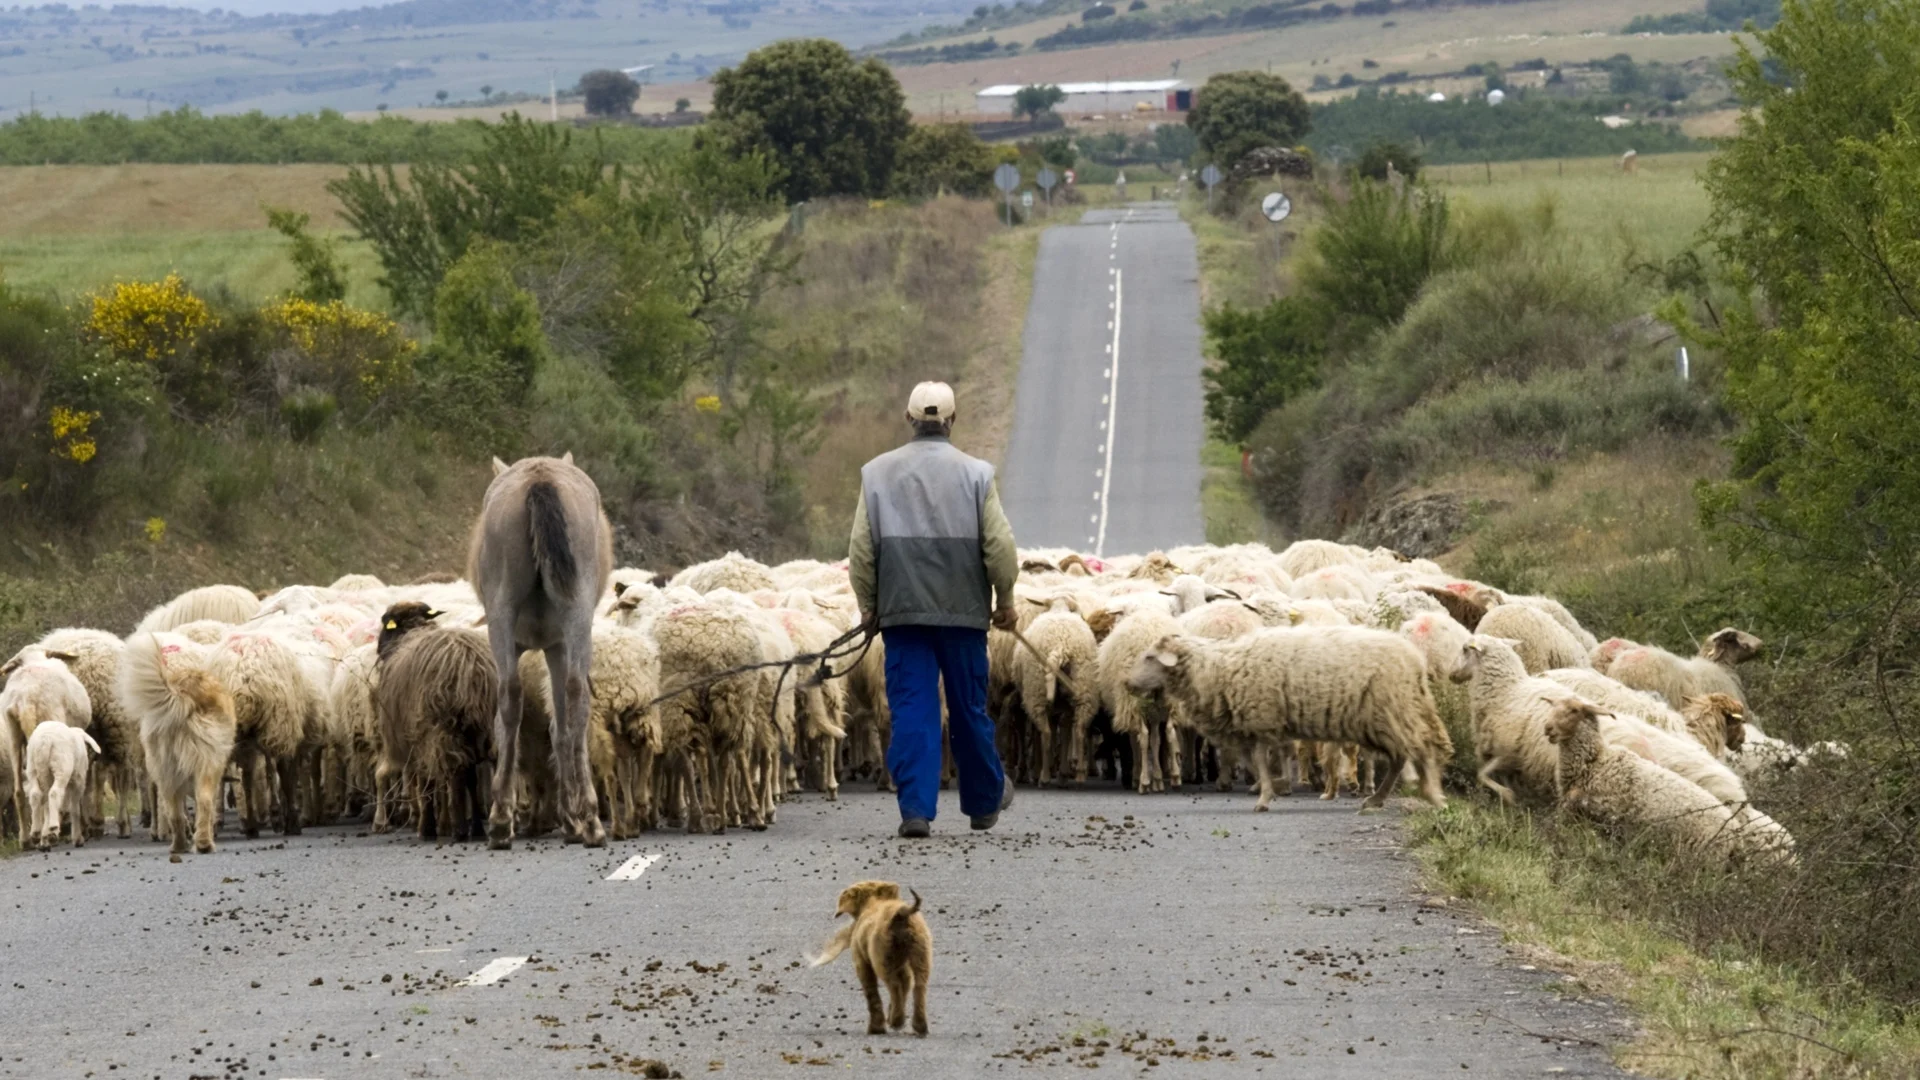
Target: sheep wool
1143,718
222,603
1058,712
1651,668
57,782
1542,643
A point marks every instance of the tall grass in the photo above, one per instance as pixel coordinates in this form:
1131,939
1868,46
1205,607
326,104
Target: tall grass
249,264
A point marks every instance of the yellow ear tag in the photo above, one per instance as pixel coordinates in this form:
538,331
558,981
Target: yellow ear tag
391,625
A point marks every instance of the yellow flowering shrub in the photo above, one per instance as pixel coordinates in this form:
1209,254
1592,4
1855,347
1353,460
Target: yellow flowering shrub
354,353
156,529
149,320
707,403
70,434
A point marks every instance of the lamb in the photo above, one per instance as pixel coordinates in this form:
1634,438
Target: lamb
1648,667
96,664
1142,717
187,726
731,571
1541,642
436,698
1059,713
57,782
1340,684
222,603
1623,791
40,689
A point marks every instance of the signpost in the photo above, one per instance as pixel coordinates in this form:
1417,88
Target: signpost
1006,178
1026,200
1046,179
1210,176
1276,206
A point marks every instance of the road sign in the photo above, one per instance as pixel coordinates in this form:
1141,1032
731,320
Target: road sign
1210,175
1006,178
1046,179
1276,206
1026,199
1069,177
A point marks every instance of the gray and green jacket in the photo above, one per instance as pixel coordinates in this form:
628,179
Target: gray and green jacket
930,544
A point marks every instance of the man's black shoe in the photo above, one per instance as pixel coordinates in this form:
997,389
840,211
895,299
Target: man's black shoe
916,828
988,821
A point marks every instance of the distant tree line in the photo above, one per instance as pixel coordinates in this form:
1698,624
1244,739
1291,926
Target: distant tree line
1719,15
1276,13
186,137
1524,126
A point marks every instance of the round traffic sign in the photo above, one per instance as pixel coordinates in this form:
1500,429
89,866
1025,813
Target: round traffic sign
1046,179
1276,206
1006,178
1210,175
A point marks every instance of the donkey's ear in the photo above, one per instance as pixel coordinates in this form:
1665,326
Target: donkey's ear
499,466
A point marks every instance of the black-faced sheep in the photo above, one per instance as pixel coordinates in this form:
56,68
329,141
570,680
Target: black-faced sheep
436,697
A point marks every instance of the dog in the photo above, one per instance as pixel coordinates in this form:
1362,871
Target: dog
890,941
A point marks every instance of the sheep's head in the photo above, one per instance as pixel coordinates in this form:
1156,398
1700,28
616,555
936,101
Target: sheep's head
1568,717
855,897
404,618
1723,708
1102,621
1606,652
1466,610
1076,565
1151,672
1729,646
1037,566
1469,663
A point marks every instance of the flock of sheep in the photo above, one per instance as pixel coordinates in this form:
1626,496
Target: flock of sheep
1323,663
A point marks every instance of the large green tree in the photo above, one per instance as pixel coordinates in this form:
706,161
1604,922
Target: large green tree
1262,357
608,92
1816,211
831,124
944,157
1245,110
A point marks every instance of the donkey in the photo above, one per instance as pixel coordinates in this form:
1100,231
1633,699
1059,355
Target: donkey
540,556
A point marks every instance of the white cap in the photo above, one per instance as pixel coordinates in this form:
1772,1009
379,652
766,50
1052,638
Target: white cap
930,401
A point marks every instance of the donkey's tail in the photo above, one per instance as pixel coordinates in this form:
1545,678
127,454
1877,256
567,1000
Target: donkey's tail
547,523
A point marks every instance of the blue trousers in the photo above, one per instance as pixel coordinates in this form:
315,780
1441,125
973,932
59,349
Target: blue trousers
918,659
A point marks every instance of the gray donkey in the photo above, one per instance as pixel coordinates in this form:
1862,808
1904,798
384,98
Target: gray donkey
541,553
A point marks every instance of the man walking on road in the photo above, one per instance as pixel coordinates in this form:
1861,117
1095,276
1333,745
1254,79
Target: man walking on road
930,553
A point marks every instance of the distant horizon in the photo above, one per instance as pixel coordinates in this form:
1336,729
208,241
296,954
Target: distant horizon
277,7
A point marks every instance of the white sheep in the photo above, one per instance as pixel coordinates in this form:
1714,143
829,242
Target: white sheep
1060,712
1343,684
277,706
96,663
731,571
1338,582
709,731
1303,557
186,729
1143,717
1624,791
1542,643
223,603
40,689
1558,612
1651,668
57,782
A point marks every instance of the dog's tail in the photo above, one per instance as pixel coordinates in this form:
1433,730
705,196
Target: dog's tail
834,947
900,928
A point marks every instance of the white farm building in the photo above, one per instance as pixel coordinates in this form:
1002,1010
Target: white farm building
1172,95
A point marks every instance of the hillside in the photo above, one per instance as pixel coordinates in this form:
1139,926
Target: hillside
1423,41
71,60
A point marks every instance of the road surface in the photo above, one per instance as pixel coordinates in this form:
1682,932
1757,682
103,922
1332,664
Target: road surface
1092,928
1105,451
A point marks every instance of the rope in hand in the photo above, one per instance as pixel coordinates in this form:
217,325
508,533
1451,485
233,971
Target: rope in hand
840,647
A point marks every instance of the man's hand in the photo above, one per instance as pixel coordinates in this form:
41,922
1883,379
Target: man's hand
1005,619
870,624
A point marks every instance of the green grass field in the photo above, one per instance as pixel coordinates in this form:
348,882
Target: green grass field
1657,210
250,264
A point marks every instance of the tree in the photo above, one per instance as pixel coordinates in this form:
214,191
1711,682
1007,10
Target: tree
949,157
681,105
1174,142
1262,358
486,92
831,124
316,261
1031,101
1375,159
1245,110
440,96
1815,205
1097,12
609,92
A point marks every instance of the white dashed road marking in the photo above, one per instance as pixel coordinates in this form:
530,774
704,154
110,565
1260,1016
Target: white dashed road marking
1112,401
497,968
633,868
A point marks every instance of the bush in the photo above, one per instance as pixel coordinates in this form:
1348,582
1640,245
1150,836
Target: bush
1375,252
1242,111
1375,159
1261,359
943,157
316,261
1525,126
608,92
307,413
357,358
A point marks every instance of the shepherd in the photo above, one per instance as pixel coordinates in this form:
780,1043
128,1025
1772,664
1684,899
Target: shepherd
933,565
541,553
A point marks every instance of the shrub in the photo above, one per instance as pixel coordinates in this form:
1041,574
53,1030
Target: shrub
943,157
1261,359
307,413
359,358
315,261
158,322
1375,159
1375,251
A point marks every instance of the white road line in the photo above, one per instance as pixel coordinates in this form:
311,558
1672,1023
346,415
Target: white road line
633,868
497,968
1113,405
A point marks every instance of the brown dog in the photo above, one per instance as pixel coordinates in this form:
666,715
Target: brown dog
889,941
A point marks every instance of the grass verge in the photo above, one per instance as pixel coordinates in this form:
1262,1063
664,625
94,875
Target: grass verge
1227,500
1556,889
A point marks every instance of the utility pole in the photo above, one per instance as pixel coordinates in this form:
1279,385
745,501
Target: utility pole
553,94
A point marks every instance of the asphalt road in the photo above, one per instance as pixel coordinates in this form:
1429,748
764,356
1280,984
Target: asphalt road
1193,933
1105,451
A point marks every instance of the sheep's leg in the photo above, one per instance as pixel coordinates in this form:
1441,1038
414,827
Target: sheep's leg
1389,780
1081,722
382,782
1263,775
692,797
175,805
1485,776
1228,765
506,734
77,812
1043,742
124,785
1429,769
249,824
206,811
150,813
34,829
1330,761
291,776
830,779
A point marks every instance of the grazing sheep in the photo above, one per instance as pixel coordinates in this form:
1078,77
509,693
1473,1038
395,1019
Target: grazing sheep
1542,643
1654,669
40,689
222,603
1623,791
96,663
187,727
1342,684
1143,717
436,698
57,782
1060,714
1620,699
541,552
731,571
1601,656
